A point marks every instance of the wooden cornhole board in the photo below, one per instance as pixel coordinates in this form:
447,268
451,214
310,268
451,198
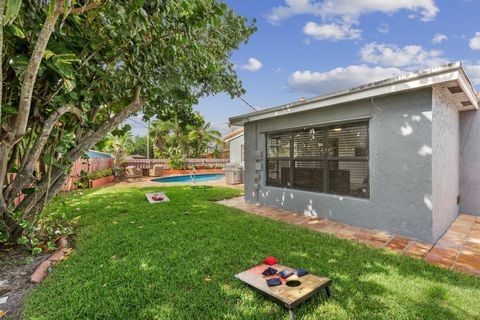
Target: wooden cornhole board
158,194
290,297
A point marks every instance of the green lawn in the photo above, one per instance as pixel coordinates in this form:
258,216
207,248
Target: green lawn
176,260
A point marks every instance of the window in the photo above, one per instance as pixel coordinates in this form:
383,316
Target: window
332,159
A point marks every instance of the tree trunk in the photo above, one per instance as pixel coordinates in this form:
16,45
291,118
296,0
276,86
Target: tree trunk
49,186
9,139
25,175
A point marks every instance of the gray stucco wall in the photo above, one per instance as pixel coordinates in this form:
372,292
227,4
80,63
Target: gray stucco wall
445,162
235,147
470,162
400,166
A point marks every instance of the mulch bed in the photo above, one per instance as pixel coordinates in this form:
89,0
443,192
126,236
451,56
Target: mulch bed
16,267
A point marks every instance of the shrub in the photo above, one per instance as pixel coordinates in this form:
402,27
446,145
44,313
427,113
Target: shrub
85,177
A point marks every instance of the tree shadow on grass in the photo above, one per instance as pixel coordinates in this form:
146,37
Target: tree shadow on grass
146,259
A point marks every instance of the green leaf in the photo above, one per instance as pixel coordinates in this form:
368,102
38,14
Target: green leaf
12,9
51,7
51,245
9,110
19,63
69,85
36,251
28,191
48,54
22,240
3,236
140,3
65,8
16,31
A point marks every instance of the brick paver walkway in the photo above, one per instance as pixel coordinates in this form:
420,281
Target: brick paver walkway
458,249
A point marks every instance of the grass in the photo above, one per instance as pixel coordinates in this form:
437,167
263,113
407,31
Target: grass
176,260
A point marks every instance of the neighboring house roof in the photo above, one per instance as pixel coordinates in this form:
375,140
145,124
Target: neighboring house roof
233,135
449,78
137,156
98,154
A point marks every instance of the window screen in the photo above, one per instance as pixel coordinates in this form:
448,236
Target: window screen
331,159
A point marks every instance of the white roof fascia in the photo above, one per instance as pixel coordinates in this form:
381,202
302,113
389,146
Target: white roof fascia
234,137
412,81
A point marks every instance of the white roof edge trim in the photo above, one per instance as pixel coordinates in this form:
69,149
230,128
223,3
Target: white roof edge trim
234,137
467,87
405,82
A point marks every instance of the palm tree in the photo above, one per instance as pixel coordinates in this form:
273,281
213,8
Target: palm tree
169,133
201,137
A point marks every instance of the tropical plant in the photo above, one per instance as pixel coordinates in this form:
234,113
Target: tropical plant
175,158
77,69
202,138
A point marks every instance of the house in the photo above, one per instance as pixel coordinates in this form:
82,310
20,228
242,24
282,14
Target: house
235,145
400,155
91,154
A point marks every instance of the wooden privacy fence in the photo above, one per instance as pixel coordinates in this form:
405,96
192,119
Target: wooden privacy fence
197,163
87,165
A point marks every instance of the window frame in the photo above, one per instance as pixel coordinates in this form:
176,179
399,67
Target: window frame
324,159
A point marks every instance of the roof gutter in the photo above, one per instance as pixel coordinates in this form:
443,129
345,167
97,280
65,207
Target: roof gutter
405,82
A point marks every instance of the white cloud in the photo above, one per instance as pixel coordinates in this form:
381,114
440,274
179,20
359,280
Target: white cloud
350,11
339,78
475,42
412,56
252,65
473,71
439,38
383,28
331,31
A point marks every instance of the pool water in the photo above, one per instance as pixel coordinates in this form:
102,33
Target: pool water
189,178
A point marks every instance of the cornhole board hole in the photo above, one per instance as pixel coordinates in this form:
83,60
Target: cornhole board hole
290,293
150,196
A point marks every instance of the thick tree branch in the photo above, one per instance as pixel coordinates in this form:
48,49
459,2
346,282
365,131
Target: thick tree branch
30,77
25,176
84,145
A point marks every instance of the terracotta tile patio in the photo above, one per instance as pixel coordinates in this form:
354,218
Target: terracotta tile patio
458,249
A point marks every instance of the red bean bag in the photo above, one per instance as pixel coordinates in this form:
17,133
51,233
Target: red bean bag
270,261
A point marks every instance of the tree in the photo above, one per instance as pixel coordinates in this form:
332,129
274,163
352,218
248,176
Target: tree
77,69
138,145
202,137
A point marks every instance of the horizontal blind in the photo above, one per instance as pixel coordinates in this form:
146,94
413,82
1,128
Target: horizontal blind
348,141
308,143
278,145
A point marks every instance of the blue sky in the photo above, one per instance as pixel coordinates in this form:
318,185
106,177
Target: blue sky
305,48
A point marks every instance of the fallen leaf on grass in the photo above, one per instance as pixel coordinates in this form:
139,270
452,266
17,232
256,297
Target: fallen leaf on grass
3,313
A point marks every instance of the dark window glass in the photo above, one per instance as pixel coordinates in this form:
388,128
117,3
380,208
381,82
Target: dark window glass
308,175
331,159
278,172
348,178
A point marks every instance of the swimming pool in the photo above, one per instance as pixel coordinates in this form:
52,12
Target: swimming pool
189,178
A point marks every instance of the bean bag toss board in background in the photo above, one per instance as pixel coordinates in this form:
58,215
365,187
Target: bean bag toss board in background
157,197
293,291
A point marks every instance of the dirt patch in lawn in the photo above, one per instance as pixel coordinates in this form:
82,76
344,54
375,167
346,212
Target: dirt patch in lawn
16,267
